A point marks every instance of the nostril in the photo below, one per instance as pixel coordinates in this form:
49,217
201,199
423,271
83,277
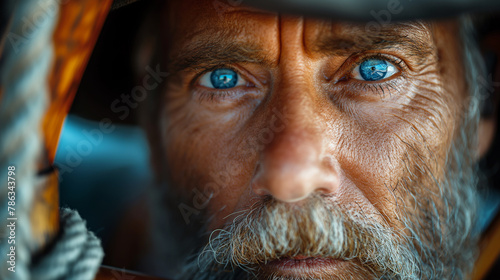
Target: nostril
256,184
259,190
327,188
330,164
257,169
330,171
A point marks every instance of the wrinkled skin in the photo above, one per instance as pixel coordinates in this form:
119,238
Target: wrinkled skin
303,122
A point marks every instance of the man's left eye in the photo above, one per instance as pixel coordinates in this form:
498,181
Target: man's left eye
374,69
222,78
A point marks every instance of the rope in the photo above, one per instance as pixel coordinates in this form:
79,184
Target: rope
25,65
24,68
76,254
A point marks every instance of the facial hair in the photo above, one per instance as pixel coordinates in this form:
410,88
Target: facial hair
274,230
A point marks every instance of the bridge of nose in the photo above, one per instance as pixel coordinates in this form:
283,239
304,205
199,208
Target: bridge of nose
292,165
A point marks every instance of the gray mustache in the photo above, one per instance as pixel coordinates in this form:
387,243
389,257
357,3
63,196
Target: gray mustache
272,230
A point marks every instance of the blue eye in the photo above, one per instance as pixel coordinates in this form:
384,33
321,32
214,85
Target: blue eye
374,69
221,78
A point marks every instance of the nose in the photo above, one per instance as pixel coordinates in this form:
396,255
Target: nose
293,166
296,163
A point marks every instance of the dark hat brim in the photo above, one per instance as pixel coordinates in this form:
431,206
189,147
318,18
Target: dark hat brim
121,3
365,10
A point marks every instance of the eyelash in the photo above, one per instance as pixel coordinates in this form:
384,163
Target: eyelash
208,95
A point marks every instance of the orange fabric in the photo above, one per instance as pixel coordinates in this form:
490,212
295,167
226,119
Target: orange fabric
74,38
108,273
489,250
76,33
44,217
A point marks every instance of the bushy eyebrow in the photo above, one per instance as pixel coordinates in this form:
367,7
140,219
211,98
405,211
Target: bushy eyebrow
211,51
216,52
417,45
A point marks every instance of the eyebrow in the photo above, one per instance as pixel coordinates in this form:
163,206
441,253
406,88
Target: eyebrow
417,45
212,53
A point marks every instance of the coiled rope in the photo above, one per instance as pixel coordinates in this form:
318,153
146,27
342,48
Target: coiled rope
76,254
25,65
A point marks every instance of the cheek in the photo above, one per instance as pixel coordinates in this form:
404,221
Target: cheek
207,152
387,147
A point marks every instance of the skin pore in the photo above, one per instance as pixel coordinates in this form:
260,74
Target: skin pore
303,152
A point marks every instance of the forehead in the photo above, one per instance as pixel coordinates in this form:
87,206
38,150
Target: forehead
196,18
196,24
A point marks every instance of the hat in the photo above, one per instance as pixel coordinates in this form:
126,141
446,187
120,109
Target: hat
365,10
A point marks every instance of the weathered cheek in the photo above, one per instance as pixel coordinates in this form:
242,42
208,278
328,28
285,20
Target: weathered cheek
201,149
369,157
431,124
380,145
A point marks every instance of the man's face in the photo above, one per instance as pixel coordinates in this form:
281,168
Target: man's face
316,145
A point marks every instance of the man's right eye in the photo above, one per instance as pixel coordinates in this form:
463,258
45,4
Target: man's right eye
374,69
222,78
